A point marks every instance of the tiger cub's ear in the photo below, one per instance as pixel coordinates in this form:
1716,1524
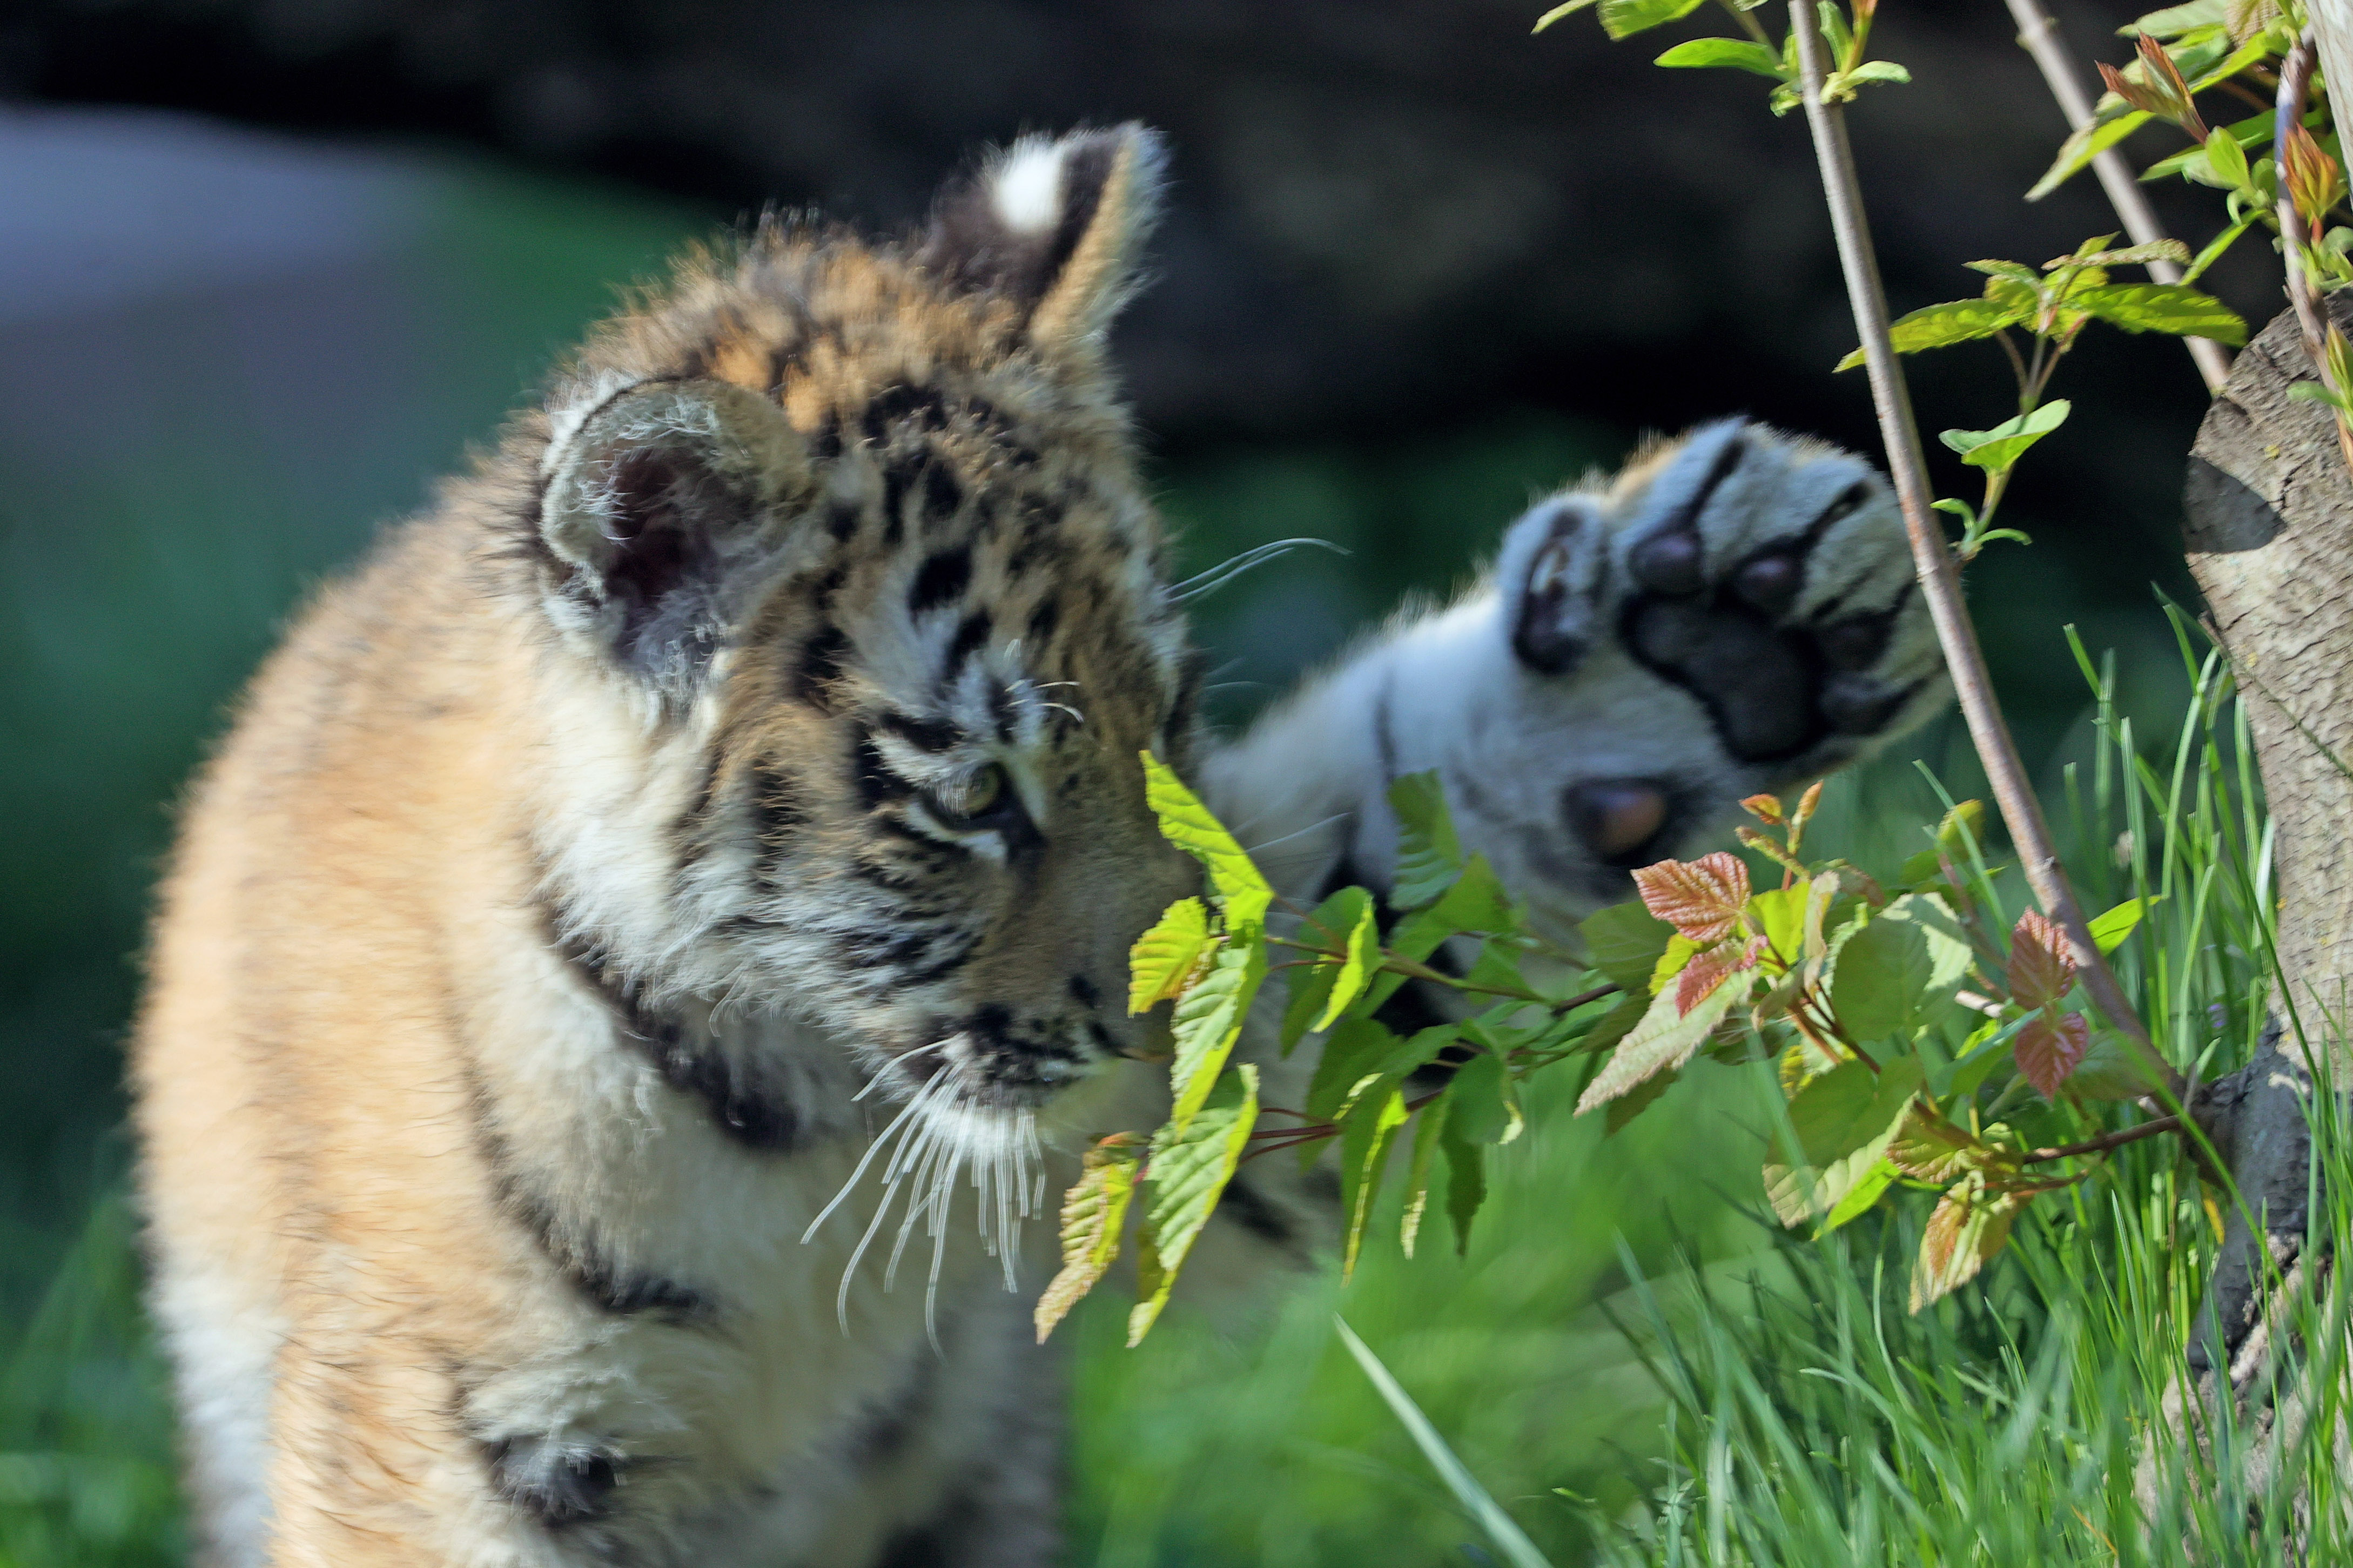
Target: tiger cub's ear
665,507
1053,223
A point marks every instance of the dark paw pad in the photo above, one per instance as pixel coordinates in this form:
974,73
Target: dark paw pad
1556,624
1618,819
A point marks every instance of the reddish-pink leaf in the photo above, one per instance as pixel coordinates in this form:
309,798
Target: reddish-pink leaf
1764,808
1701,898
2050,1047
1968,1227
1710,969
2040,967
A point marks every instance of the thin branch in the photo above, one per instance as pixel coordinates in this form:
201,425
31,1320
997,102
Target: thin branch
2115,176
1939,580
2105,1140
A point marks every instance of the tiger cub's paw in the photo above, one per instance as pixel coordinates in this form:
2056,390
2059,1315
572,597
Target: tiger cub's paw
1744,581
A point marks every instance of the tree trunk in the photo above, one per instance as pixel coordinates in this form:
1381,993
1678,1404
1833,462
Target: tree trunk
2269,510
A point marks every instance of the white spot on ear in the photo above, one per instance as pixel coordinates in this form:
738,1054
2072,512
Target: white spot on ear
1027,189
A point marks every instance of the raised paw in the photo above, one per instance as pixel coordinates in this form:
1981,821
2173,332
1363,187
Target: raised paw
1735,612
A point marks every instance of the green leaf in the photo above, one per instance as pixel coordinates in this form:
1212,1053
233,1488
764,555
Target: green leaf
1558,12
1949,954
1429,855
1363,959
1311,986
1843,1121
1737,53
1187,823
1851,1108
1429,1123
2169,307
1094,1212
1486,1103
1361,1048
1662,1040
2176,20
1996,451
1190,1167
1841,84
1860,1196
1162,957
1617,1022
1624,942
1638,1100
2108,932
1881,980
1624,18
1466,1180
1781,917
1367,1130
1209,1021
1941,326
2084,144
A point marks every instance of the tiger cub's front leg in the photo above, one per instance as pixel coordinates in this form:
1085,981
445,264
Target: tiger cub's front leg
1733,613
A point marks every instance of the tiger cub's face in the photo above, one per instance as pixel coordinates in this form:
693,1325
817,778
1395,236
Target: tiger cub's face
855,531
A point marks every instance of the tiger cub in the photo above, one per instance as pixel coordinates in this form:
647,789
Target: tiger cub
657,928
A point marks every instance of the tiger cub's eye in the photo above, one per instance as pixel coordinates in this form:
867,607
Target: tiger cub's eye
986,802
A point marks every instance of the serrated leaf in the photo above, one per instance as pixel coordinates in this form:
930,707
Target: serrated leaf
1844,1120
1739,54
1968,1227
1242,894
1363,959
2109,932
1701,899
1708,970
1190,1167
1616,1024
2130,255
1207,1022
1486,1103
1941,326
2040,966
1666,1037
1997,451
1466,1181
1163,957
1881,980
1624,18
2172,308
1428,1125
2084,144
1367,1130
1430,855
2048,1049
1859,1197
1779,915
1095,1213
1636,1100
1624,942
2174,20
1927,1147
1950,953
1361,1048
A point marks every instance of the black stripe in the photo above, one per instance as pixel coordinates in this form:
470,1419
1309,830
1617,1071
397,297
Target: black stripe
970,635
944,576
748,1111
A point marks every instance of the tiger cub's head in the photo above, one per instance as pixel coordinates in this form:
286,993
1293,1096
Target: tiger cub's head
852,533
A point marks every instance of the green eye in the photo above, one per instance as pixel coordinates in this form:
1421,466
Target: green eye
986,802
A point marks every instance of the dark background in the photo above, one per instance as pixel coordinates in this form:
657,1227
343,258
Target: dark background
266,265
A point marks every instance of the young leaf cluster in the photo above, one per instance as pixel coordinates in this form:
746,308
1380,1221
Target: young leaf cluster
1846,29
2279,172
1915,1043
1444,1095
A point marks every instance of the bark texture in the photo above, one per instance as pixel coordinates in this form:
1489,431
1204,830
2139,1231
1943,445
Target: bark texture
2271,544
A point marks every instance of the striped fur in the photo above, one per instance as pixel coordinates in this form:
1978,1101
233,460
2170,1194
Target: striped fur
658,929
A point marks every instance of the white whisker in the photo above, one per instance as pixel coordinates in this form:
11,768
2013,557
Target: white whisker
865,1160
1287,837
